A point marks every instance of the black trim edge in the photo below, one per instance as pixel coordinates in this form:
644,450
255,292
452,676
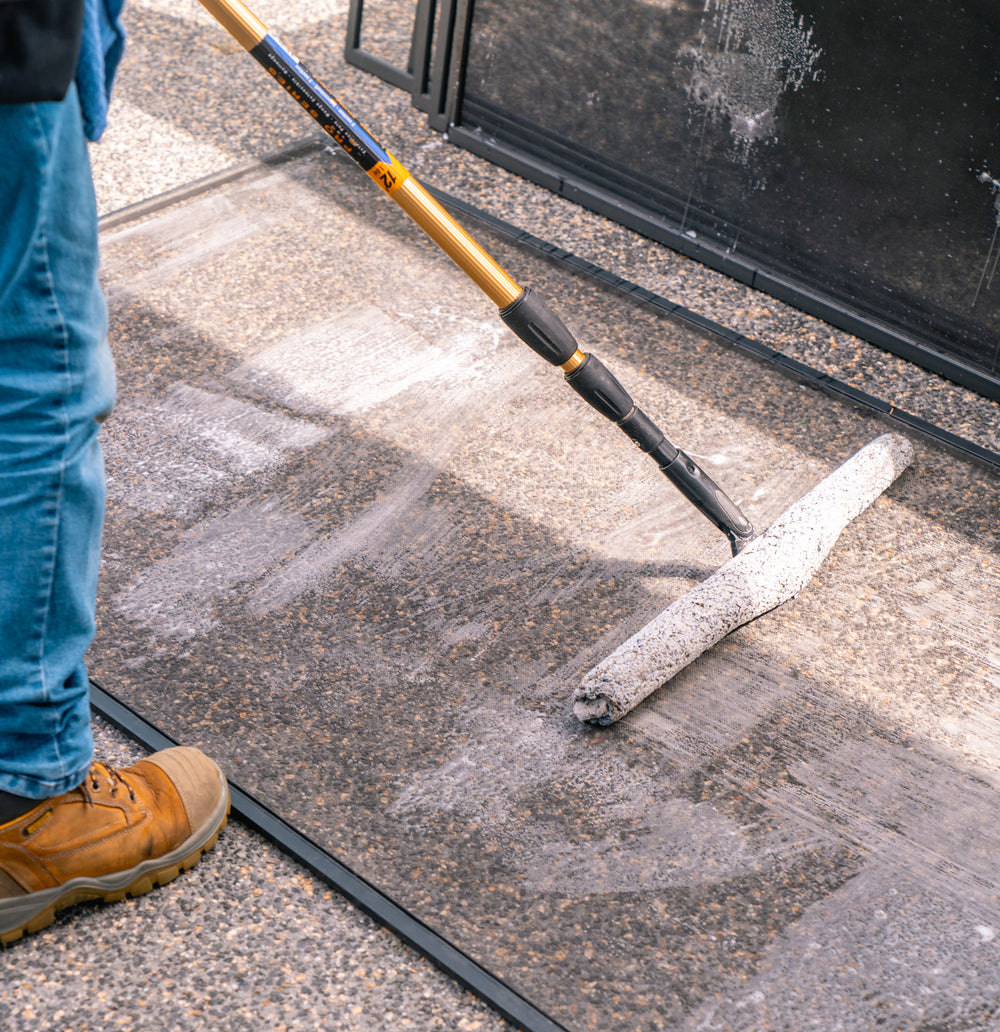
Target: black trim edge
152,205
439,951
790,367
704,250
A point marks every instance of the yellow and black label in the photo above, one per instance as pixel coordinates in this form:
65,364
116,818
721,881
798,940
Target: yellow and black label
335,119
389,175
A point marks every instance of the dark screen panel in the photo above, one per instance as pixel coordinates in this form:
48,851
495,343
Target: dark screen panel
849,149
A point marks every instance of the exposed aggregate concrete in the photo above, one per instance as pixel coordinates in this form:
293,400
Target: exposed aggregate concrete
247,940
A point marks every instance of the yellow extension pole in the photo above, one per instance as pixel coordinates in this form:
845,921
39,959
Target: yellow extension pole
521,309
252,34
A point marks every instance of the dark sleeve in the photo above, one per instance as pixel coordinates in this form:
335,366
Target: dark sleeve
39,46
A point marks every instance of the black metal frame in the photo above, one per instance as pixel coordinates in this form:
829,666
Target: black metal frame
440,93
376,904
768,280
428,70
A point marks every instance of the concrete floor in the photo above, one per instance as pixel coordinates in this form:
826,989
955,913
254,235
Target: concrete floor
796,824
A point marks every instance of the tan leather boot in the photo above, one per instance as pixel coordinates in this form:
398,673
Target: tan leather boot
121,833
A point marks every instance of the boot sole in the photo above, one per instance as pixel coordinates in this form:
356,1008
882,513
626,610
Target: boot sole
21,915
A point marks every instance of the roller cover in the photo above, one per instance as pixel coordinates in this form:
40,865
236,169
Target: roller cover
770,570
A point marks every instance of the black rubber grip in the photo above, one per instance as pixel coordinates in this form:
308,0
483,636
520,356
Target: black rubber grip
649,437
700,489
540,328
598,387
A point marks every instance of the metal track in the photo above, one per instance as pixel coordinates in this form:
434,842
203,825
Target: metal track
789,367
449,958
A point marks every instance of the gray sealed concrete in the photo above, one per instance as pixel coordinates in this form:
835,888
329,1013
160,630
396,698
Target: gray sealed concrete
796,833
370,582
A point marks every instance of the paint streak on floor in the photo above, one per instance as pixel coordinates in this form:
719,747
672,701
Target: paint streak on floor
362,544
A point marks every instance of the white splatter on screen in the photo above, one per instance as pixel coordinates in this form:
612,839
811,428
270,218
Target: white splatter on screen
750,53
993,255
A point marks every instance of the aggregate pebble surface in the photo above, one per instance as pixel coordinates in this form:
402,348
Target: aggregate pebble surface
247,939
360,583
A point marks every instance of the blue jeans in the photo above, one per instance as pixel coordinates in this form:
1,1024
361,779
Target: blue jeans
56,385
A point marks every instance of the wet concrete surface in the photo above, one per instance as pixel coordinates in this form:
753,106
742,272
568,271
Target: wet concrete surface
362,545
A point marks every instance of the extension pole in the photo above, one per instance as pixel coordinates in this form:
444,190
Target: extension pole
520,308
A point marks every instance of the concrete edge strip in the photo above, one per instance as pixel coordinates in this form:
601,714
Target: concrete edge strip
508,1003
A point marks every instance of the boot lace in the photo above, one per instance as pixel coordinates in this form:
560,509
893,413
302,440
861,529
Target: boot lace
101,773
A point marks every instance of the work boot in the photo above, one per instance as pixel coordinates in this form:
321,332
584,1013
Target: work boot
121,833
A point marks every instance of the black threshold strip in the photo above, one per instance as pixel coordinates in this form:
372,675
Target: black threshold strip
790,367
513,1007
152,205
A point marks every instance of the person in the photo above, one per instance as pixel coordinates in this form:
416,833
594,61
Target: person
71,827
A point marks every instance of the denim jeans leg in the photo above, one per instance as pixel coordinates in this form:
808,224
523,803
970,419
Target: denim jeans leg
56,386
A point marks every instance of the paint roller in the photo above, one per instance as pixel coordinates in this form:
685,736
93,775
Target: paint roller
771,569
765,569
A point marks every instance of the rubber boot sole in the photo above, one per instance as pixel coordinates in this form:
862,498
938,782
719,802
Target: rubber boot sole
21,915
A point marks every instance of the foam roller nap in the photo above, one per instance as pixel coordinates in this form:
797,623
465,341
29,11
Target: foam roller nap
767,572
